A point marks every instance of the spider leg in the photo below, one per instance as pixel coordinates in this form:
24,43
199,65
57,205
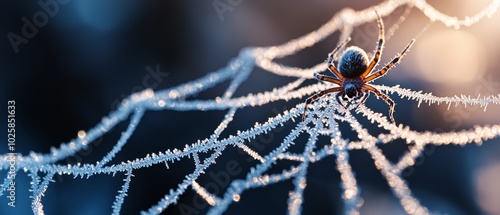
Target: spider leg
331,55
389,65
338,99
380,47
328,79
317,96
384,97
365,96
329,62
359,94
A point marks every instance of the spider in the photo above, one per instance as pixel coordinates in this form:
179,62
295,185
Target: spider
353,73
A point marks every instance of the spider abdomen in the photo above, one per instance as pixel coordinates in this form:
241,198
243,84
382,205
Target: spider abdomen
353,62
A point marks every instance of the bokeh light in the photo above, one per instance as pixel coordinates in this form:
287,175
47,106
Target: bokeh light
105,15
488,188
450,56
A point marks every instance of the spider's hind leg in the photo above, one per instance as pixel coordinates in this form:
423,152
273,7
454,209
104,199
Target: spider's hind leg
329,62
332,54
380,47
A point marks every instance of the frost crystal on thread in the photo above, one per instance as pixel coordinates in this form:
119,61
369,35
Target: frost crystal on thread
322,120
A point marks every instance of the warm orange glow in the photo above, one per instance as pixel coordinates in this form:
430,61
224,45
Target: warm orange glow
488,188
450,56
82,134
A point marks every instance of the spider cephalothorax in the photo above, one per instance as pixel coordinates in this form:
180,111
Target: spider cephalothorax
354,72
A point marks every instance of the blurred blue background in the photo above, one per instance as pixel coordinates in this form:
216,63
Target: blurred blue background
85,56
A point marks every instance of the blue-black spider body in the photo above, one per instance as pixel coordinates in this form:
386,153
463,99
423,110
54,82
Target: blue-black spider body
353,63
354,71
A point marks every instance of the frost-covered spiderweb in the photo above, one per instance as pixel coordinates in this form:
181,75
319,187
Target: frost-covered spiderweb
322,120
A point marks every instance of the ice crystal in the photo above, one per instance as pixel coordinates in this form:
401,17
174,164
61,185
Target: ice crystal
322,120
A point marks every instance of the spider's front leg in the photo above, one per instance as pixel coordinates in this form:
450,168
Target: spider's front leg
365,96
317,96
385,98
338,96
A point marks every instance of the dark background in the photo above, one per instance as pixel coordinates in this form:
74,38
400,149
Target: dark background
92,54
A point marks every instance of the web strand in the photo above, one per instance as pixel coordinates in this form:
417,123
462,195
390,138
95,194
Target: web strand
322,120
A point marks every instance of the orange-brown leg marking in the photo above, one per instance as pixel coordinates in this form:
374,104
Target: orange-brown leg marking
331,67
317,96
390,65
328,79
335,71
338,99
365,96
380,47
384,97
